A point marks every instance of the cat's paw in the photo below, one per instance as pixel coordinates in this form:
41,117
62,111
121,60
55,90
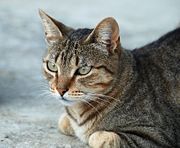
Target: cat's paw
65,126
104,139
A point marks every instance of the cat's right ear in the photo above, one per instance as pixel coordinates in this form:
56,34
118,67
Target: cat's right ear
54,30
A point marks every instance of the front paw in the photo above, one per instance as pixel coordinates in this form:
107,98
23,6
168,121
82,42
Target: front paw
104,139
65,126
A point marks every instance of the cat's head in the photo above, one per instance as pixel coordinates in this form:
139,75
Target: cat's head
80,64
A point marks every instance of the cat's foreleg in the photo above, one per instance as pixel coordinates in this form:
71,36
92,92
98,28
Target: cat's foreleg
64,125
104,139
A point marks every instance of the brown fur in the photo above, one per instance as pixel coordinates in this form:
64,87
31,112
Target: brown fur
65,125
125,98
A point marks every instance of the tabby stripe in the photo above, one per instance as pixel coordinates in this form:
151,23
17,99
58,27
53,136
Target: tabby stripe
93,114
70,57
77,60
68,112
89,108
62,57
56,57
105,69
65,58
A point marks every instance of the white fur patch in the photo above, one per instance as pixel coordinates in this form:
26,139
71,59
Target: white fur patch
80,131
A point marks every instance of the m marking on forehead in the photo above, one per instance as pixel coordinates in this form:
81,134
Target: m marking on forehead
66,57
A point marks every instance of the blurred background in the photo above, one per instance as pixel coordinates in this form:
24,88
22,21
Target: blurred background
28,117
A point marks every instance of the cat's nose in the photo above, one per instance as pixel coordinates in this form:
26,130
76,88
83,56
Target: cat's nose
62,91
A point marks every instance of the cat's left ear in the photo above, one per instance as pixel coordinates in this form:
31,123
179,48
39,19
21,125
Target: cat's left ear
54,30
107,33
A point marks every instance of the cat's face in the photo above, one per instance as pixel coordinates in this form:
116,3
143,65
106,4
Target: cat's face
80,64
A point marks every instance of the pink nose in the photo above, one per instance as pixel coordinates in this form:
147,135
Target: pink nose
62,91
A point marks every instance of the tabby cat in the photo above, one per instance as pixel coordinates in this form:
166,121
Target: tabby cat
114,97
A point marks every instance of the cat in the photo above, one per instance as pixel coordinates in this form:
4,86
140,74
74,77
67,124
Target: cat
114,97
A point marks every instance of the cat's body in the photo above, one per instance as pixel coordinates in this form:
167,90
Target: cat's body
135,96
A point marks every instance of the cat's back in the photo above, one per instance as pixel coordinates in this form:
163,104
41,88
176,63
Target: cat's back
159,63
164,51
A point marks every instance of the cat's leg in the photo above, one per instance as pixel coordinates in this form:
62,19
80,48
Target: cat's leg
104,139
64,125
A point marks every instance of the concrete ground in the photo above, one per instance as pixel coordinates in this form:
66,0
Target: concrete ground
28,114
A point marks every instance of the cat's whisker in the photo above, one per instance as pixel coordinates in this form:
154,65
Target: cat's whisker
40,90
88,103
44,94
97,98
91,106
43,90
41,87
43,82
105,96
103,101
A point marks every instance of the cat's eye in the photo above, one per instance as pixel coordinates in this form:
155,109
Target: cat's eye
84,70
52,66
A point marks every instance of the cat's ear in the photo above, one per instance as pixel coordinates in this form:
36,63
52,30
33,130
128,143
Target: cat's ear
107,33
54,30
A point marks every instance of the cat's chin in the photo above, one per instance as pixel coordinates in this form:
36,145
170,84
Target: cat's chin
66,102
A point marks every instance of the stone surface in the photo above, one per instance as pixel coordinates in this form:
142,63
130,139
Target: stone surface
28,113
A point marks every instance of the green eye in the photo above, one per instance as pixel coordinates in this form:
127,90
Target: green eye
84,70
52,67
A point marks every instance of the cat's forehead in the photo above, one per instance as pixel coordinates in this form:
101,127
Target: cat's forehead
73,47
71,42
79,34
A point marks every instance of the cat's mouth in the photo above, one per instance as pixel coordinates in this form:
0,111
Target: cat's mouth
69,99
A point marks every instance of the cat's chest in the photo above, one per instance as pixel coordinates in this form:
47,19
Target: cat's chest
83,131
